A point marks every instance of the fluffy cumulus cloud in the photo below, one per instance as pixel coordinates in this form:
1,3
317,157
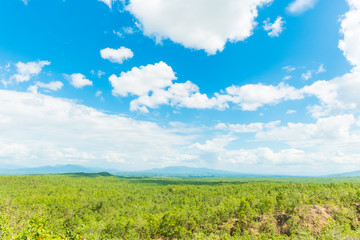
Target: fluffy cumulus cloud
25,71
74,133
300,6
341,93
274,29
184,95
154,86
336,96
350,28
187,95
116,55
252,96
200,24
141,80
78,80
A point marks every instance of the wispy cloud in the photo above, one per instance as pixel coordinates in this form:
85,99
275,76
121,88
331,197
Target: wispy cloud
25,71
74,133
300,6
274,29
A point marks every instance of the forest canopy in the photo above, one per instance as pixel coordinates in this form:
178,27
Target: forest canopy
101,206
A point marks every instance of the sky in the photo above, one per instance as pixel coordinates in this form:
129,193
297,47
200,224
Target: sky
255,86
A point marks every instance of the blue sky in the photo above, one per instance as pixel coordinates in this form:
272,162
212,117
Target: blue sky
254,86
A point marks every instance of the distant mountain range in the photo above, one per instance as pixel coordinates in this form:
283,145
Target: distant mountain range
49,170
173,171
346,174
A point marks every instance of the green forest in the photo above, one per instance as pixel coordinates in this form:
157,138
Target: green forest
102,206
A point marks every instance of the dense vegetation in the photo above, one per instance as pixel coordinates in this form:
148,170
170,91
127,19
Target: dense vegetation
91,206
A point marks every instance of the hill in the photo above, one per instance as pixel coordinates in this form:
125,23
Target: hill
172,171
347,174
49,170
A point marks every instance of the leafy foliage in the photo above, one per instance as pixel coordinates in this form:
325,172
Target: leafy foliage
100,206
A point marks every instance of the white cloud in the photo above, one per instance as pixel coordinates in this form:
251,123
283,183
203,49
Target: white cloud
274,29
320,159
128,30
54,86
266,156
350,28
341,93
158,79
31,68
337,95
326,91
124,31
287,77
117,33
290,111
25,2
307,75
78,80
98,93
331,141
181,95
300,6
74,133
26,71
200,24
99,73
252,96
215,145
247,128
249,97
108,2
116,55
327,133
321,69
289,68
140,81
153,84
